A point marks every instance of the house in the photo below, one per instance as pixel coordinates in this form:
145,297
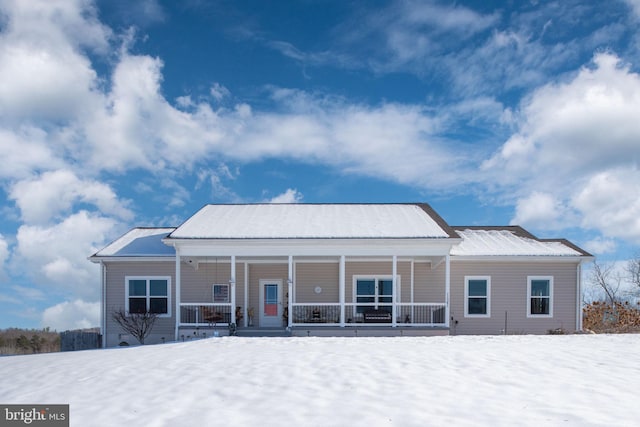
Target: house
338,269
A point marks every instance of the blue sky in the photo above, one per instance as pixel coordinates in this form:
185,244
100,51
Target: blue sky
115,114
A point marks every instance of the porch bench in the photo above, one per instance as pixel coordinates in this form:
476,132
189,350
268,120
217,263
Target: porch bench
376,316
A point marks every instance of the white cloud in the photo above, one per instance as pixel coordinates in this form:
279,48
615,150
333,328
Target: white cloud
290,196
43,72
414,30
4,255
577,143
69,315
542,211
610,202
25,150
219,92
600,245
635,6
56,255
45,197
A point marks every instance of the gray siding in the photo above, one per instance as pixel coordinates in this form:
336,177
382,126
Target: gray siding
509,294
197,285
115,299
323,274
508,290
429,283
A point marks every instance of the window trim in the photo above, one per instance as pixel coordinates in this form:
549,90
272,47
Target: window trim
530,279
213,293
148,295
487,296
376,278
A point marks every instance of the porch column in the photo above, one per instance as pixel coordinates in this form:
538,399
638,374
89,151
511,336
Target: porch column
232,282
413,279
447,289
290,293
341,287
178,274
394,291
246,295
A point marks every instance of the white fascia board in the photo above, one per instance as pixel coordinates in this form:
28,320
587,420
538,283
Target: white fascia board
521,258
312,247
107,259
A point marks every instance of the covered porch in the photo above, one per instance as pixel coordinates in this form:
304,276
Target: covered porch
313,295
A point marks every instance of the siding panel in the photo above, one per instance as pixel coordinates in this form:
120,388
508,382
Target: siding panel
509,294
323,274
115,298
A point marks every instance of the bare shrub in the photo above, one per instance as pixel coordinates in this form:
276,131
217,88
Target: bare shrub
137,324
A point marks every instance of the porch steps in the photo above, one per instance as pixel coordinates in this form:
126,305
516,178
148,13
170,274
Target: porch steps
262,332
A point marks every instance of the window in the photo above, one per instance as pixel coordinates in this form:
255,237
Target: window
148,294
477,296
221,293
539,296
377,292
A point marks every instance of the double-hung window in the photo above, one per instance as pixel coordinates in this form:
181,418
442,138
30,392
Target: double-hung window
477,296
540,296
148,294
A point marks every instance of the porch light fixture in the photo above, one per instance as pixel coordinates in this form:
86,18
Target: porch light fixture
318,290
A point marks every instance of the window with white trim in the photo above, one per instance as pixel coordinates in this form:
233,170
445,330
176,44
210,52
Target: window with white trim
540,296
220,292
148,294
375,292
477,296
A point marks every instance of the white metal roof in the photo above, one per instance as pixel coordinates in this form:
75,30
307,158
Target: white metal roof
326,221
139,242
505,242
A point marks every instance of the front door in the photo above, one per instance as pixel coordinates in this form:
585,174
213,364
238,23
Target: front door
270,303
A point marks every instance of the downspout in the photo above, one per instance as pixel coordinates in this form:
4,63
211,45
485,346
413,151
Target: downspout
103,306
178,313
447,289
579,296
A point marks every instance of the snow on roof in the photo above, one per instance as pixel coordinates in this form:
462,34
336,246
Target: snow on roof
506,242
288,221
139,242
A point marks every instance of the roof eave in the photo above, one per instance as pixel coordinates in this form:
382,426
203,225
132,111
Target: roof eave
528,258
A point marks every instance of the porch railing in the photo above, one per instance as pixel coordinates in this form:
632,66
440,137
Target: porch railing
327,314
357,314
205,314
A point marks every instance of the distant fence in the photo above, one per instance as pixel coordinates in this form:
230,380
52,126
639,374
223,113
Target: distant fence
79,340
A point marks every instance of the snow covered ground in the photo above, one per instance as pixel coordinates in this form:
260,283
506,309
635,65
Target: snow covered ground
577,380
